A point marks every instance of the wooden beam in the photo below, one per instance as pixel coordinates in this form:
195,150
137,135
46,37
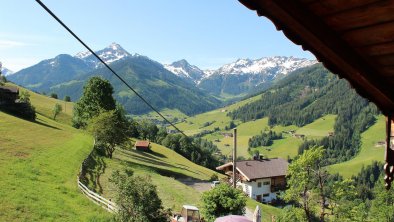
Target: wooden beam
371,14
329,7
306,29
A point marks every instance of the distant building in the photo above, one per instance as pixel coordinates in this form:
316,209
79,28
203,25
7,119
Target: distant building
381,143
8,95
142,145
299,136
227,134
172,131
260,179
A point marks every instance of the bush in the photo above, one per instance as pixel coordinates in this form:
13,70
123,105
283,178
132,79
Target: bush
214,177
137,199
221,201
53,95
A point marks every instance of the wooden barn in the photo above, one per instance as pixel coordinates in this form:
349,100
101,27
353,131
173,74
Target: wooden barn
142,145
8,95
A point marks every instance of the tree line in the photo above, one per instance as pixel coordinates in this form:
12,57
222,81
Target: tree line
264,139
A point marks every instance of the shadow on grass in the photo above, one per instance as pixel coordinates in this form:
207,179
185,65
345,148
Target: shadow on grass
12,113
163,172
155,161
94,168
41,122
151,154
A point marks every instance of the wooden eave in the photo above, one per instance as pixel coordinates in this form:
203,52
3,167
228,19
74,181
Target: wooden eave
353,39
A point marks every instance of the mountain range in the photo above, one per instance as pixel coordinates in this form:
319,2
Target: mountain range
179,85
240,77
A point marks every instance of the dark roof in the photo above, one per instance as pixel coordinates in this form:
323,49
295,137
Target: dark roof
354,39
9,89
255,169
142,144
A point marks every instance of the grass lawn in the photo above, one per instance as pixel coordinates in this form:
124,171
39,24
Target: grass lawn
39,163
195,124
283,148
44,106
319,128
170,114
164,166
368,152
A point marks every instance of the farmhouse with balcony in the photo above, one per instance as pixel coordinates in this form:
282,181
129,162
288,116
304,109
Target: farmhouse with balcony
260,179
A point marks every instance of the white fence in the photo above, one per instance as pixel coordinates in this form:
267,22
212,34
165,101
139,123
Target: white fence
106,204
97,199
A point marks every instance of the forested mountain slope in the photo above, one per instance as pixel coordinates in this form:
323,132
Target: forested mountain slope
311,93
160,87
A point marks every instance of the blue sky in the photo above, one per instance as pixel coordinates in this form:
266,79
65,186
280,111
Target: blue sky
207,33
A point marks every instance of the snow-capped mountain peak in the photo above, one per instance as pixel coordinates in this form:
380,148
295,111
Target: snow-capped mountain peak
183,69
112,53
266,68
266,65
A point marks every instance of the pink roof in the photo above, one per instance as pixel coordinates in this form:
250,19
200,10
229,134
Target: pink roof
142,143
232,218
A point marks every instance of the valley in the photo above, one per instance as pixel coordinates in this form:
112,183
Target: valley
300,109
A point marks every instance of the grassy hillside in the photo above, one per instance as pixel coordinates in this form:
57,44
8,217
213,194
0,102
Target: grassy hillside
164,166
44,106
172,115
369,152
39,163
319,128
218,118
285,147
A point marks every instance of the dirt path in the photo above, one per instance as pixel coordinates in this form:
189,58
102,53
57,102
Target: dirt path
198,185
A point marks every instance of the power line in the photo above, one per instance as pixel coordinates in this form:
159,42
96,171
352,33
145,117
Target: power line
106,65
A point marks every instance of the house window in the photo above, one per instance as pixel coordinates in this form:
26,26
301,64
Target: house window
266,183
266,195
259,184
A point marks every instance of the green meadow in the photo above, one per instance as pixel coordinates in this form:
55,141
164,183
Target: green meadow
216,118
165,167
286,147
369,152
39,164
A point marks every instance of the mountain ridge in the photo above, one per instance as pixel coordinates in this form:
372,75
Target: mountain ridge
66,74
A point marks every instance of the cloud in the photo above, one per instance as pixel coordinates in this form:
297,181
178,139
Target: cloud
11,44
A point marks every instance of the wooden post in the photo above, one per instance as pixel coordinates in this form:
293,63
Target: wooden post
389,166
235,158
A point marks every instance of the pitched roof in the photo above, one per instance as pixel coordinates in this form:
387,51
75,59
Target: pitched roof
142,143
10,89
255,169
354,39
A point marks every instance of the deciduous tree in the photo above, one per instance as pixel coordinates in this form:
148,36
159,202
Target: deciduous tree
223,200
110,129
306,179
137,199
96,98
67,98
56,110
53,95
